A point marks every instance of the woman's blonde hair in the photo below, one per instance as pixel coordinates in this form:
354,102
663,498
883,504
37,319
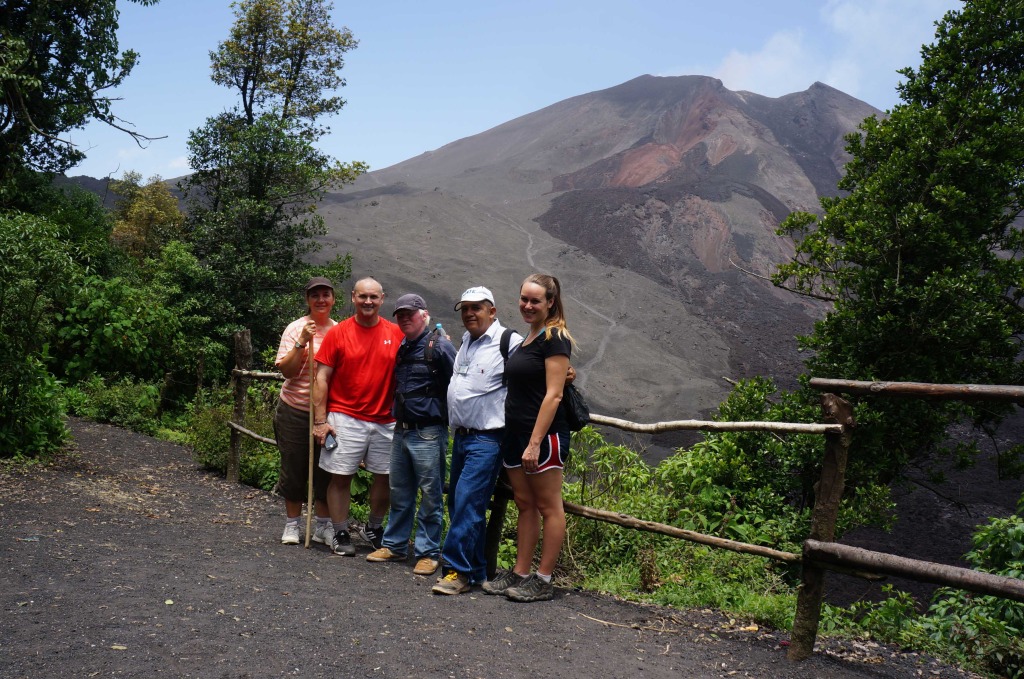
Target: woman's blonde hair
555,322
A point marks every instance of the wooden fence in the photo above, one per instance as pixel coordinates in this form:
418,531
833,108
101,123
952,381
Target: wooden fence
820,551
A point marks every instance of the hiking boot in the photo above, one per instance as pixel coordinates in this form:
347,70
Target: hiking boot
324,533
291,536
426,566
373,536
453,583
342,544
502,583
384,554
531,589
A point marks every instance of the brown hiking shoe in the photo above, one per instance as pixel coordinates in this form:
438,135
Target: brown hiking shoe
384,554
453,583
426,566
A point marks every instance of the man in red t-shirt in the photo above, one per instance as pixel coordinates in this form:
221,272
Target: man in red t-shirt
356,371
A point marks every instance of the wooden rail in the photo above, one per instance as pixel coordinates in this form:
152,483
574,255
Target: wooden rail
880,562
652,527
702,425
955,392
251,434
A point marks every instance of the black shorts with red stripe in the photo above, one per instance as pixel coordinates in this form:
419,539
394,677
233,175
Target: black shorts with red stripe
554,449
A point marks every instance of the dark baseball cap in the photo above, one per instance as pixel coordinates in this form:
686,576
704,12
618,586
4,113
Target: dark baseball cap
319,282
409,301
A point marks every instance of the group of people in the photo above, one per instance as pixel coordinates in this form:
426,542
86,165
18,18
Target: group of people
386,395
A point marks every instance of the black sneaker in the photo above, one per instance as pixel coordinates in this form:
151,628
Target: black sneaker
502,583
342,544
531,589
373,535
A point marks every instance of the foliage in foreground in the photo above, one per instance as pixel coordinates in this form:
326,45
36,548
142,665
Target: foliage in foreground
210,437
981,631
37,266
124,402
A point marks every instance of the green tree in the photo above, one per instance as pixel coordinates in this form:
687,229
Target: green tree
258,176
923,256
58,61
146,217
285,56
254,221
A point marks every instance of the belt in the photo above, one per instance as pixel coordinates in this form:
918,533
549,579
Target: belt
419,425
464,431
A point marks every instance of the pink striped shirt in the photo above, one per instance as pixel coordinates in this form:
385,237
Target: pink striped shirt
295,390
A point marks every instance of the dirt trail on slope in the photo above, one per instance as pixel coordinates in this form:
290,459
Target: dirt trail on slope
123,559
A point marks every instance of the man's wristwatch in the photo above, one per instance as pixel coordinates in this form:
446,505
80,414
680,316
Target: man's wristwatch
300,346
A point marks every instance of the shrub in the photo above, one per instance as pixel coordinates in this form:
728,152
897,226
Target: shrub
681,491
209,436
36,264
123,402
111,326
983,632
986,628
31,417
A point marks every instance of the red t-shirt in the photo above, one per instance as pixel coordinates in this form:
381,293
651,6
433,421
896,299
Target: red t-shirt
363,382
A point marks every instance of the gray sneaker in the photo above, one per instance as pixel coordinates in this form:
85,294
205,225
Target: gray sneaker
291,535
502,583
324,533
342,544
531,589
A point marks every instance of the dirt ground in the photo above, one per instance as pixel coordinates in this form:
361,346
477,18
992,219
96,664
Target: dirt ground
123,559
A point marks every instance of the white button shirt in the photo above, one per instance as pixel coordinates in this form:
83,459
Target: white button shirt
476,396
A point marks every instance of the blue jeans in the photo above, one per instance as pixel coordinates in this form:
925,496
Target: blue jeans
476,461
417,463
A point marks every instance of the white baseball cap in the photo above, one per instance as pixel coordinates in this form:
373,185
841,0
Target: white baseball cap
475,294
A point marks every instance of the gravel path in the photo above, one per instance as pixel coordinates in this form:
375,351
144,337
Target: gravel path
123,559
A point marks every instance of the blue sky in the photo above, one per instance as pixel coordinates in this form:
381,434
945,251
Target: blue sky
428,73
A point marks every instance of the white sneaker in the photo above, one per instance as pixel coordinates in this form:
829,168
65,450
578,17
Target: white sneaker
324,533
290,536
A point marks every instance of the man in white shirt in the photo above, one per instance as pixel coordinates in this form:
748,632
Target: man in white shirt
476,414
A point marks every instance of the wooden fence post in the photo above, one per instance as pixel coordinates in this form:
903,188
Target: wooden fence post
827,494
243,361
495,523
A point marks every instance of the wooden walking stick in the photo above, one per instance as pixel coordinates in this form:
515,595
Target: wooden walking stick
312,441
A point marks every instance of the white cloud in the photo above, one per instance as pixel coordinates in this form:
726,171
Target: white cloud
875,38
853,45
776,69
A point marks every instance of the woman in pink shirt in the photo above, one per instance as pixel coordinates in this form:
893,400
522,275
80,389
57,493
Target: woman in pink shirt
291,419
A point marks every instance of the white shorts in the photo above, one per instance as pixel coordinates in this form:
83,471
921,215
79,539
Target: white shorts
358,441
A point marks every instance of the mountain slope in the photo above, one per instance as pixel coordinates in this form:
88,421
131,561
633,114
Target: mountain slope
647,200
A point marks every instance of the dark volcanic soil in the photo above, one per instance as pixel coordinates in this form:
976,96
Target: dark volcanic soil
122,559
936,519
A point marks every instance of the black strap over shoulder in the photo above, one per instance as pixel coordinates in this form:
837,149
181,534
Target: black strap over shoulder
431,349
506,338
